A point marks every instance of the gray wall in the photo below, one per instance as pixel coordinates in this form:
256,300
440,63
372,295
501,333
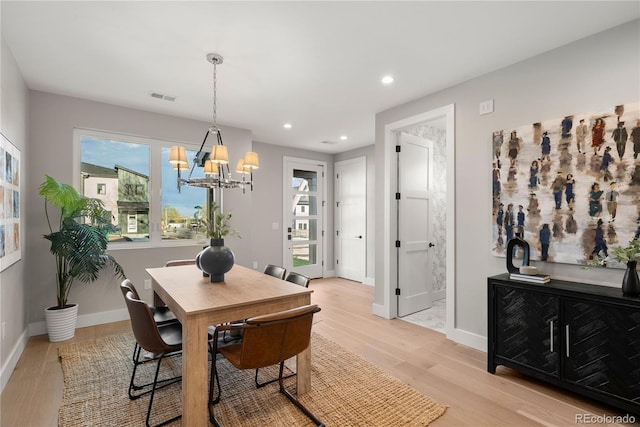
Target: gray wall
13,295
52,119
267,203
369,152
591,74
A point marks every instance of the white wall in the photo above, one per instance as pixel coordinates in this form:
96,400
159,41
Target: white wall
13,287
592,74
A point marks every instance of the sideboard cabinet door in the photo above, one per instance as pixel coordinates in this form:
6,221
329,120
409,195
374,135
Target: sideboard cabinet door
603,347
528,328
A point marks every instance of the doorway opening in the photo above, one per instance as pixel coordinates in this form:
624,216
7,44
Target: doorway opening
427,255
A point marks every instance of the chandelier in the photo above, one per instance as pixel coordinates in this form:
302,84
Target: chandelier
215,162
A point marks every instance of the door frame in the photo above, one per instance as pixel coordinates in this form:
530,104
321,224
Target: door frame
389,280
336,246
323,206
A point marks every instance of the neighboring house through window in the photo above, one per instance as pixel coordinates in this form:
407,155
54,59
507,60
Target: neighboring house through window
117,169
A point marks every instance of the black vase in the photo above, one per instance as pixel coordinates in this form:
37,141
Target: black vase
215,260
630,281
512,245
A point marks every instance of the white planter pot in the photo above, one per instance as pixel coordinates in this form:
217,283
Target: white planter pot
61,324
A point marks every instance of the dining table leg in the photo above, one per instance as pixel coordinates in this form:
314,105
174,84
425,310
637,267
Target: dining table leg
195,372
303,377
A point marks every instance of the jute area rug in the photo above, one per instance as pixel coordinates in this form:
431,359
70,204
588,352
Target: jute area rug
346,390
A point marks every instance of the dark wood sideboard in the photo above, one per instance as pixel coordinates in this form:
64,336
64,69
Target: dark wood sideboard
584,338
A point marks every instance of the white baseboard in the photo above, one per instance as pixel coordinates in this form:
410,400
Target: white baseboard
378,310
92,319
468,338
12,360
330,273
369,281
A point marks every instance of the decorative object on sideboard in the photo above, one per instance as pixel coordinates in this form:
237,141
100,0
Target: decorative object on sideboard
625,255
79,245
630,281
517,244
629,255
217,259
528,270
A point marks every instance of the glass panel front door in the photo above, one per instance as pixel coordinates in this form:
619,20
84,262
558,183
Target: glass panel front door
303,244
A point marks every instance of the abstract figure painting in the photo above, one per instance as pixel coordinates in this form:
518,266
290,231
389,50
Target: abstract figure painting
569,186
10,250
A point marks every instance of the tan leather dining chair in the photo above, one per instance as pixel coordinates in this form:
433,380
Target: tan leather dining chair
298,279
266,340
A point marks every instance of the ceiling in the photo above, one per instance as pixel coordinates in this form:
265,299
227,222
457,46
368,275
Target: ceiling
316,65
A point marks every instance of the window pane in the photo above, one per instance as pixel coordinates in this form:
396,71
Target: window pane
304,254
304,229
305,180
111,171
182,211
303,205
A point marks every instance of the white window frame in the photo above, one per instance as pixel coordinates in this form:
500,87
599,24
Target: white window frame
155,184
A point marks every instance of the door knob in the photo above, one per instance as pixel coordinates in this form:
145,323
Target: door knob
431,244
359,237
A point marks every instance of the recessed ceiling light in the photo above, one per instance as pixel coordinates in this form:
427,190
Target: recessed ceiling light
287,126
387,80
343,137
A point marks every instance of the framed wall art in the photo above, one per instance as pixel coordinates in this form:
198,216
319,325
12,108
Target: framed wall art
569,186
10,215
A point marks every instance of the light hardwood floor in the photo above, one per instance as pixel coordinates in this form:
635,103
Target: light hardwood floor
452,374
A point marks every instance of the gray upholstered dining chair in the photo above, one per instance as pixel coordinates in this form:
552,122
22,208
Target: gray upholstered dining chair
275,271
160,340
266,340
161,314
298,279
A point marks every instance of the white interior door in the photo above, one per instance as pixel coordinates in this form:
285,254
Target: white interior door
303,217
414,224
351,218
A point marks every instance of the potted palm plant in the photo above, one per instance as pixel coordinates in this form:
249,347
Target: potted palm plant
79,239
217,259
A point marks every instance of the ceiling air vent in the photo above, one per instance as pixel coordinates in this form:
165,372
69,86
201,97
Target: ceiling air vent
162,96
329,142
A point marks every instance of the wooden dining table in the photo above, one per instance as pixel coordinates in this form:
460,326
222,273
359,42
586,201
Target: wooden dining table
198,304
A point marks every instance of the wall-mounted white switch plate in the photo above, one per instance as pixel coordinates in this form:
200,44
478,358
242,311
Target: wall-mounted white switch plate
255,264
147,283
486,107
